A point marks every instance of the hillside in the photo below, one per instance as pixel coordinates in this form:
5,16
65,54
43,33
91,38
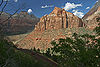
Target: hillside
16,38
42,40
93,12
14,57
19,23
58,24
50,27
90,19
57,39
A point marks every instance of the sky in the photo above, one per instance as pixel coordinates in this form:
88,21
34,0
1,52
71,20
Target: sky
41,7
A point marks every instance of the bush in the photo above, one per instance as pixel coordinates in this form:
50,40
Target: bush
78,51
11,57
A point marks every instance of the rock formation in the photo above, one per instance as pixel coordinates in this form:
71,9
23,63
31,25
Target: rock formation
93,23
43,40
58,19
18,23
95,9
56,25
90,18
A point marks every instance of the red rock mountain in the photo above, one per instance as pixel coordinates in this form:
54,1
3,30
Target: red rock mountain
18,23
58,19
51,27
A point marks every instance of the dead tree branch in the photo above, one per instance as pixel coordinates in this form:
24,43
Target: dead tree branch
1,3
4,7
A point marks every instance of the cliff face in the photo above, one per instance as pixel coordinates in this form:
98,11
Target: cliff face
93,23
90,18
18,23
95,10
58,19
56,25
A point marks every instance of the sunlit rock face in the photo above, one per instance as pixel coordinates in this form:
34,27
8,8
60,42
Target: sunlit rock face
18,23
93,23
58,19
51,27
93,12
90,18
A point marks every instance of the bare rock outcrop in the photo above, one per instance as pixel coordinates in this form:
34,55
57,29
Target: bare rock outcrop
94,10
58,19
56,25
90,19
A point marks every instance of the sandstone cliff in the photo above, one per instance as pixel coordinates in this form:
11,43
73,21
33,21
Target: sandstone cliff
58,19
58,24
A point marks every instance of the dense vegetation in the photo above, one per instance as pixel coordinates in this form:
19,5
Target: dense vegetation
11,57
77,51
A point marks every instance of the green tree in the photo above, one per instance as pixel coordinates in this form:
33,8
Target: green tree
77,51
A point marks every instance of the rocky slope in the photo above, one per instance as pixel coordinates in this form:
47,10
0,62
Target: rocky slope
18,23
91,17
58,24
91,24
42,40
93,12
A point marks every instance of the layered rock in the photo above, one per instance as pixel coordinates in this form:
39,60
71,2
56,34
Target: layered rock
58,19
43,40
90,18
95,10
18,23
58,24
93,23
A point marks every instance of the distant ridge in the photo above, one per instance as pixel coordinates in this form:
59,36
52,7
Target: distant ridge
93,11
19,23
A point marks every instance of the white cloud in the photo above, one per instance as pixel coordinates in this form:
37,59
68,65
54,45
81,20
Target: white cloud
74,10
77,13
88,8
16,0
5,0
29,11
13,0
97,1
46,6
69,6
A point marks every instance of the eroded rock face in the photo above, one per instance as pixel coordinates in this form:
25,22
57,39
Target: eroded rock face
43,40
58,19
19,23
95,9
90,18
51,27
93,23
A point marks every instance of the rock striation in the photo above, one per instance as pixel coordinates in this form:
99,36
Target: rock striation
94,10
93,23
90,19
58,19
57,24
19,23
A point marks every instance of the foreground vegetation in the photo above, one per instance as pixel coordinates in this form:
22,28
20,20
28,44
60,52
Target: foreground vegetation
78,51
11,57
